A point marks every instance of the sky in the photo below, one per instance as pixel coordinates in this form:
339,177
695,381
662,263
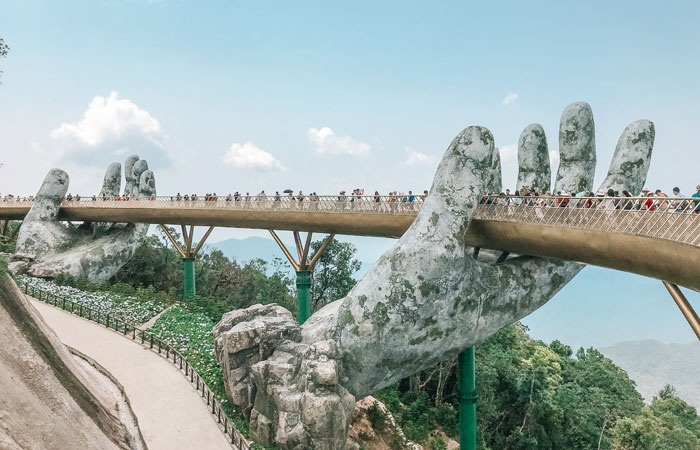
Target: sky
221,96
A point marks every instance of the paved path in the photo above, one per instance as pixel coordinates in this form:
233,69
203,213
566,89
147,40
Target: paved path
170,412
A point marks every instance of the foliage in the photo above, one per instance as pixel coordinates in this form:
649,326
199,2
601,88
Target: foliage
376,416
3,265
131,306
531,396
222,284
8,240
668,423
437,444
332,276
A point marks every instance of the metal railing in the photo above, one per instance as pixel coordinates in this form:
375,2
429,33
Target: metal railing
152,342
671,218
377,204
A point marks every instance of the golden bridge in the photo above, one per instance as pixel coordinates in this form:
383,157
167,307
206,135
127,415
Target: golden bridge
654,237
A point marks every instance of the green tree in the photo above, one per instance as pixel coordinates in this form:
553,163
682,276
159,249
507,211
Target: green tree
332,277
668,423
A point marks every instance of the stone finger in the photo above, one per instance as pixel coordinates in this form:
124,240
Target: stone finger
577,155
51,193
533,159
147,184
130,181
112,181
630,163
495,184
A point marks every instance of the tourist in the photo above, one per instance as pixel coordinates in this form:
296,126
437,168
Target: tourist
662,203
697,202
425,195
376,197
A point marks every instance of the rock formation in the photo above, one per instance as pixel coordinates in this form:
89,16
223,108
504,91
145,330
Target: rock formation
47,248
425,300
46,402
533,159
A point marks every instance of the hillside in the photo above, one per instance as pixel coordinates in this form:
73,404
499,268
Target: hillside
653,364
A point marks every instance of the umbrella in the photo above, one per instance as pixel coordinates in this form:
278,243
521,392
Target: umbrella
288,191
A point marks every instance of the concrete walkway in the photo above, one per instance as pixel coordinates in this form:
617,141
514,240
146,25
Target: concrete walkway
171,414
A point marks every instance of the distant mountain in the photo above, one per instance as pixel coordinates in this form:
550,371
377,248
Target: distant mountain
653,364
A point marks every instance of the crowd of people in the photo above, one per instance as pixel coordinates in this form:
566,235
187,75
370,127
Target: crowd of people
610,199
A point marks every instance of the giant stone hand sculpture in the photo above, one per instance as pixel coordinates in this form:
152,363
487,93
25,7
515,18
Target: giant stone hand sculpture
47,248
425,300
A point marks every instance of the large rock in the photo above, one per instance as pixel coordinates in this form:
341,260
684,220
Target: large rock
48,248
47,401
426,299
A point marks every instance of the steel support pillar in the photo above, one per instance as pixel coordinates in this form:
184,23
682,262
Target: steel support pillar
303,268
467,399
189,288
688,312
187,252
303,295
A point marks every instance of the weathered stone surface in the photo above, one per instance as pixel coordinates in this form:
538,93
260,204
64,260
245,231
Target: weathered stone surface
576,149
424,301
130,181
533,159
47,400
495,185
47,248
112,181
632,157
241,340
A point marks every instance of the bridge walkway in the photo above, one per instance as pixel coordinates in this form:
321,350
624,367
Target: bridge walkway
170,412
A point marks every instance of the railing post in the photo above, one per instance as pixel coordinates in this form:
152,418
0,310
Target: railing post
467,399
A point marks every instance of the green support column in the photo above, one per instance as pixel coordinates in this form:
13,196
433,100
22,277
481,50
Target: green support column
304,295
467,399
188,272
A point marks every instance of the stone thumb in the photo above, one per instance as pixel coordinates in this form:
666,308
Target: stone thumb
48,199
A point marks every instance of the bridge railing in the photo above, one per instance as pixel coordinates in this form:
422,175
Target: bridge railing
154,343
378,204
672,218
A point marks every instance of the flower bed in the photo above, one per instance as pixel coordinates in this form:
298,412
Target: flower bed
129,309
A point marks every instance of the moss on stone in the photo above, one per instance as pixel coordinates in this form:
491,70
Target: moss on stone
428,288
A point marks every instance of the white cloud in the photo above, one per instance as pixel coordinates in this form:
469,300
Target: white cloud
508,153
416,158
111,128
110,118
250,156
510,98
327,142
553,158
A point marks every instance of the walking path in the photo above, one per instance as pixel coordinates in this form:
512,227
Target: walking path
171,414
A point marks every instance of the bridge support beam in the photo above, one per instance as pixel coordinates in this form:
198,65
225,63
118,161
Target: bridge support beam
467,399
304,269
188,255
690,315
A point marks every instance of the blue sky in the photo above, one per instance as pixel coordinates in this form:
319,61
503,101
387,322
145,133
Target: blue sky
322,96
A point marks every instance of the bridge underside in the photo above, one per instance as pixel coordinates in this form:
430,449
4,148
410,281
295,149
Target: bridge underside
662,259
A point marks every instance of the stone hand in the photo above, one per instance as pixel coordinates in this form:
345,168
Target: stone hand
425,300
47,247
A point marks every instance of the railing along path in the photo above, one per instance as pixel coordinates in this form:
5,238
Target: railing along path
152,342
